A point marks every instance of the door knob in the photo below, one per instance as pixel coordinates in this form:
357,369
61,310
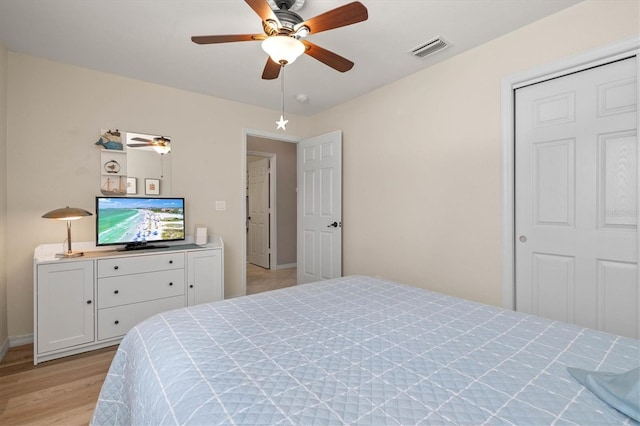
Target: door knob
523,239
333,225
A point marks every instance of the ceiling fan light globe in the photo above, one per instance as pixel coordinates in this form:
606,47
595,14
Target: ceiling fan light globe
162,149
283,49
303,32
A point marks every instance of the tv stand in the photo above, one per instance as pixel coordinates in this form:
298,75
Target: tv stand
142,246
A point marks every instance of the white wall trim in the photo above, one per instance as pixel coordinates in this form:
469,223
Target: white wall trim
4,348
614,51
25,339
243,167
286,266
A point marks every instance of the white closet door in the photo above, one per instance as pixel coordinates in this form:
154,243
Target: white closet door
576,199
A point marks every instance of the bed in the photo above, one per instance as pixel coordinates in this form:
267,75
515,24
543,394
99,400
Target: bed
357,350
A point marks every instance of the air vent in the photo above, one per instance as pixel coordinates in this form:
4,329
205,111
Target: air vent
429,48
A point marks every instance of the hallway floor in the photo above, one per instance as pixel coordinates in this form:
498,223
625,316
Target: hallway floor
260,279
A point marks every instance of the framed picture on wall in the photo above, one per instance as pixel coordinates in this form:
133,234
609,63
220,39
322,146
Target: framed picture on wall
132,185
152,186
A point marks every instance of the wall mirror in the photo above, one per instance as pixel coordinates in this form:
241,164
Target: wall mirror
148,164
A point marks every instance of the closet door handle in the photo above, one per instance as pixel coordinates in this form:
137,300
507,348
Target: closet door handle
116,292
333,225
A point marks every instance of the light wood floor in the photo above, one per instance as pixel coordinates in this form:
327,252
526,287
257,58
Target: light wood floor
261,279
65,391
58,392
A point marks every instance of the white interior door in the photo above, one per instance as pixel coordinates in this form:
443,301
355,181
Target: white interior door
258,236
576,199
319,245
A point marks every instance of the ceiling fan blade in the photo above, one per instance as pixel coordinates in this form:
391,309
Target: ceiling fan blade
138,139
342,16
327,57
211,39
271,70
264,11
139,145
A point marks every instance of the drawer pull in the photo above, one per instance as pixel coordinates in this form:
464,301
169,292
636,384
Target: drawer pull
170,284
88,302
115,267
116,292
191,286
116,322
171,261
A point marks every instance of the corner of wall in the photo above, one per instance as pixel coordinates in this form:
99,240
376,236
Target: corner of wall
3,197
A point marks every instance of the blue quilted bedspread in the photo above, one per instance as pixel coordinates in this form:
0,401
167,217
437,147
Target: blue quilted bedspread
357,350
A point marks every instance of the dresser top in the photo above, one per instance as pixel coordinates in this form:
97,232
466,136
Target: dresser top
47,252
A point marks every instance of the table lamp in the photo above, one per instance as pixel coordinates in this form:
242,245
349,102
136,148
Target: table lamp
68,214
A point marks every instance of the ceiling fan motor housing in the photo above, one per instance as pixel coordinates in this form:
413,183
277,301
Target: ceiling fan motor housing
288,20
286,4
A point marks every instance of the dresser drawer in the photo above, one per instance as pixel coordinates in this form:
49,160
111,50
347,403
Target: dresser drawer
139,264
115,322
115,291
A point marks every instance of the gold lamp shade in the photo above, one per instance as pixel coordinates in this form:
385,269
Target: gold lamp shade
68,214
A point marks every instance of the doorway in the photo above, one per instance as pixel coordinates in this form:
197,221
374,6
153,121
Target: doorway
270,240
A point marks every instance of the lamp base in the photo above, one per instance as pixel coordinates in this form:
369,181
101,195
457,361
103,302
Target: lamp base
68,255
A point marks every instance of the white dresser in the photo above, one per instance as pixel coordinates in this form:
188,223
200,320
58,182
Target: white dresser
89,302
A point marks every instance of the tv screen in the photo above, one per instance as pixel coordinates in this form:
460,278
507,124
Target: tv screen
137,221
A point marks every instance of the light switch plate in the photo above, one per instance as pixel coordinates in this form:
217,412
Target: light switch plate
221,206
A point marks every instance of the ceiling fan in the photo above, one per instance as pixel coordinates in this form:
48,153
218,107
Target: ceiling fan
159,143
285,32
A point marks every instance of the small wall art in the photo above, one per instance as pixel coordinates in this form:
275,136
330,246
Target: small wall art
110,139
152,186
115,185
132,185
111,166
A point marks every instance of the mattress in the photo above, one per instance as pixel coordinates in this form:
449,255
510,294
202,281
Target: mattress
357,350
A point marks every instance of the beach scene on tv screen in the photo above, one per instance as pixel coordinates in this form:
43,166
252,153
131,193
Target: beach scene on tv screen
127,220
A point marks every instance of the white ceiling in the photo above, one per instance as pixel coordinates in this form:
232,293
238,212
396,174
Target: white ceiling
150,40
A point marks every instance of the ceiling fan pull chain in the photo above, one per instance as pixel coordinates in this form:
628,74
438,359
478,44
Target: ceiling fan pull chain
282,91
282,123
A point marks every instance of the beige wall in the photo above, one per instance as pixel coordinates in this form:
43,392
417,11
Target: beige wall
422,156
3,194
55,115
286,202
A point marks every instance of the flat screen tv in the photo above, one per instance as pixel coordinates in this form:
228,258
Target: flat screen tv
137,222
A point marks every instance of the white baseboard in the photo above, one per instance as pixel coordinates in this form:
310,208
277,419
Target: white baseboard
286,266
12,341
20,340
4,348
